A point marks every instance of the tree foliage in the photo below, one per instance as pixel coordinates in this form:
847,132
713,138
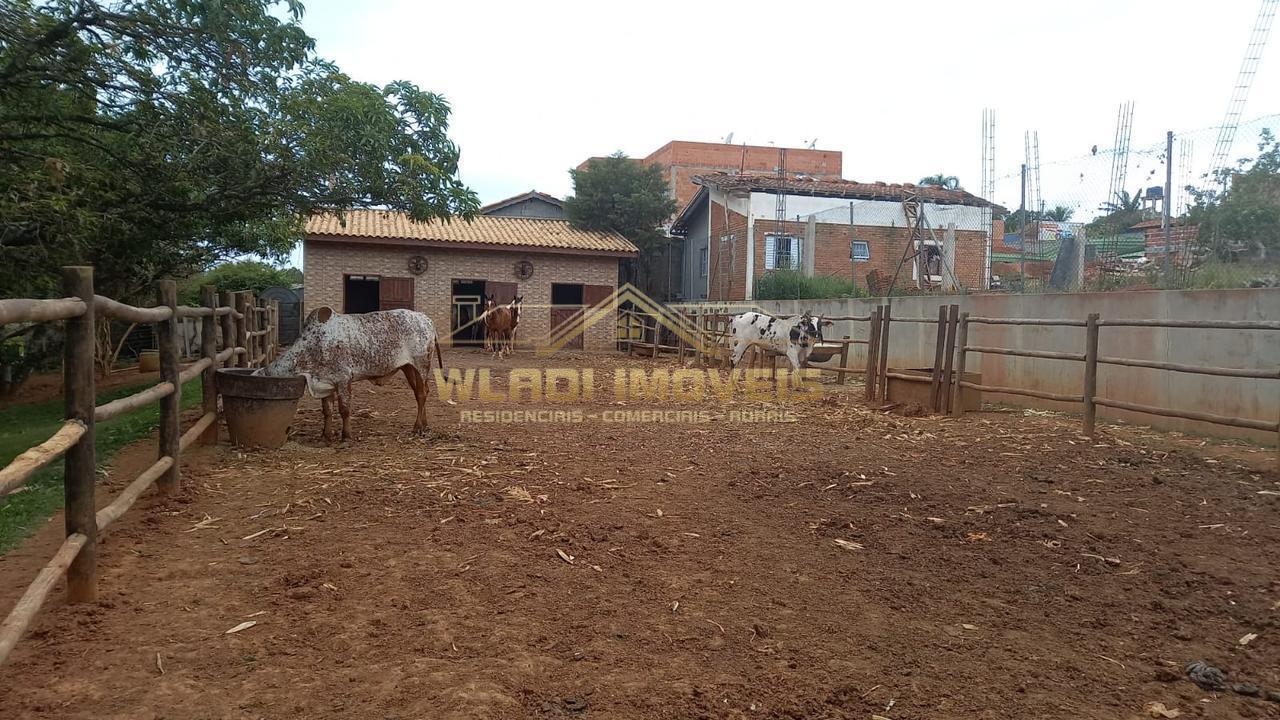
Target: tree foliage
159,137
1244,219
1059,213
626,196
1119,214
942,180
239,275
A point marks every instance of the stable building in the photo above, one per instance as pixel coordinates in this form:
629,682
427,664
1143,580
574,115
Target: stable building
369,260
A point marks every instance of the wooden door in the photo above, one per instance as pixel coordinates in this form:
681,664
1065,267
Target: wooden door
567,320
593,295
395,293
502,292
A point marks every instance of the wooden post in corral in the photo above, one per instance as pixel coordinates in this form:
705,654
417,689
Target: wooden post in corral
242,326
80,461
871,371
886,319
167,338
948,355
275,330
209,351
844,377
962,339
1090,373
227,299
935,377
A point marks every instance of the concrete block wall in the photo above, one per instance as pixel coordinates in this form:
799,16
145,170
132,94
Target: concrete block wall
325,263
911,345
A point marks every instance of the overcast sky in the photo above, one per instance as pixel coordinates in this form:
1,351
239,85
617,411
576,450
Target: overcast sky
899,88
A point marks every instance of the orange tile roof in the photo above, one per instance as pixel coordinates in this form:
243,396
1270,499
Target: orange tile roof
518,232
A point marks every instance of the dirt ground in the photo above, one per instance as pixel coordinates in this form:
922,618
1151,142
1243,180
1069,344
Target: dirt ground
840,563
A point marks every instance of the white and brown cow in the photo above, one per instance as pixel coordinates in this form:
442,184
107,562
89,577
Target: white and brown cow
336,350
793,337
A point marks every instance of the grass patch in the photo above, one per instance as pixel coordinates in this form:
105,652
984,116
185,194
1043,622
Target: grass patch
795,285
22,426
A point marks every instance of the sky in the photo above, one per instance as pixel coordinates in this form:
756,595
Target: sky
898,88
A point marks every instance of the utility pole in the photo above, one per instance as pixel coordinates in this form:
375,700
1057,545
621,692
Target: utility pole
853,264
1168,225
1022,215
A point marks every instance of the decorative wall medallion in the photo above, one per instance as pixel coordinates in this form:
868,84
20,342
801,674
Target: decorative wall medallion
417,264
524,269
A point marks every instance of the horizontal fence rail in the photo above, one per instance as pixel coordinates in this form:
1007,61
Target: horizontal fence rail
249,337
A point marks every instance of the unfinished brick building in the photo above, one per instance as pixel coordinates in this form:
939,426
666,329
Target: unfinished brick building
732,237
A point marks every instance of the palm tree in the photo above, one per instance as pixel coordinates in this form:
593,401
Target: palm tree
1059,213
1124,202
946,182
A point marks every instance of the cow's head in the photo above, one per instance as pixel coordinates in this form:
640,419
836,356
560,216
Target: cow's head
807,331
318,316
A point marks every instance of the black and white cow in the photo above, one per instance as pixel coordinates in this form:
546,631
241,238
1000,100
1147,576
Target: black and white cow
793,337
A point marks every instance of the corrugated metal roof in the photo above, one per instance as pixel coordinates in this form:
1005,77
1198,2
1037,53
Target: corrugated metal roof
519,232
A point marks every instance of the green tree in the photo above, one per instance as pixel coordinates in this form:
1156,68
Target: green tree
1059,213
1242,220
1120,213
239,275
946,182
626,196
160,137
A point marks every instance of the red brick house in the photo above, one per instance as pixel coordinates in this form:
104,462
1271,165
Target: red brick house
380,260
731,235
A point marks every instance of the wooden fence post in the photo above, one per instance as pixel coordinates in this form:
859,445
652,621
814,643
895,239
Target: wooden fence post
844,377
79,463
242,327
948,355
962,339
935,377
227,299
167,338
872,369
1090,372
275,330
886,319
209,349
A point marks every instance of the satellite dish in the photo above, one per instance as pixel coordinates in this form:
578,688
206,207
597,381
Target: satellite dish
728,138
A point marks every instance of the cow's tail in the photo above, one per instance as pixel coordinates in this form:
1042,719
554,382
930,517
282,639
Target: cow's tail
439,355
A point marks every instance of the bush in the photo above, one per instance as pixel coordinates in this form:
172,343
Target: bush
795,285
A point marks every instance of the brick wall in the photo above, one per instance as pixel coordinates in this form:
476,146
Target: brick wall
681,161
727,271
831,251
326,262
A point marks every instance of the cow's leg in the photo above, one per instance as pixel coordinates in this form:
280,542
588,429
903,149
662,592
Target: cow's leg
419,384
343,392
738,351
326,408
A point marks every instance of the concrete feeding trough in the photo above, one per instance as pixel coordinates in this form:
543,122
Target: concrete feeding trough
258,409
915,385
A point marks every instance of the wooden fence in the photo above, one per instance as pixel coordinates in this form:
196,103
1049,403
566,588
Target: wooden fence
248,334
706,333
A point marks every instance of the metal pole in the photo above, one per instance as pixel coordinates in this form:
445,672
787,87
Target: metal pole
1165,220
1022,217
79,462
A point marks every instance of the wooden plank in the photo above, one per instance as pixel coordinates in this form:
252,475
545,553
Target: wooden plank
28,606
962,338
1046,354
394,293
886,319
209,353
80,461
24,310
1022,391
873,357
130,494
1060,322
935,375
186,311
167,340
948,356
1202,324
110,308
1198,369
1189,415
1090,373
129,403
32,459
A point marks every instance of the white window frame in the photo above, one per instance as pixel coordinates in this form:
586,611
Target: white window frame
866,256
795,252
